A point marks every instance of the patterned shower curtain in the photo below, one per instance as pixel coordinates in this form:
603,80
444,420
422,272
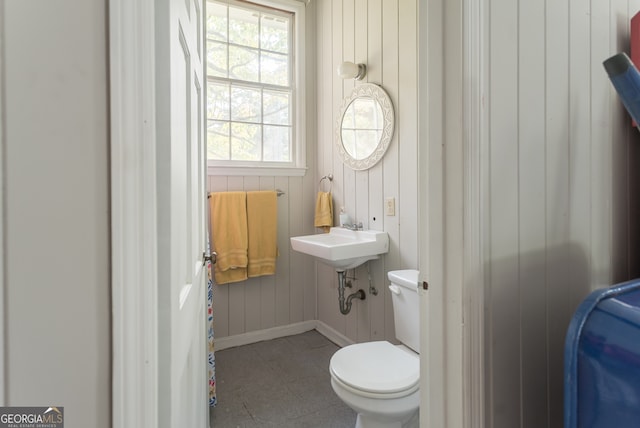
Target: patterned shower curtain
211,360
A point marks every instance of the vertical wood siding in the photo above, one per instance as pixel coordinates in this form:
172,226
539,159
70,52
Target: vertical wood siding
382,34
563,193
288,296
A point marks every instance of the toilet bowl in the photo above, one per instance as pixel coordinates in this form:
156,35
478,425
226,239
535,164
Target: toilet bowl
379,380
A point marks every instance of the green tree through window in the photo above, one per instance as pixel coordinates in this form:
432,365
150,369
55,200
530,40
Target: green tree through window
250,83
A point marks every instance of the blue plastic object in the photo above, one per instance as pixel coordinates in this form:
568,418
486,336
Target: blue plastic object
626,80
602,360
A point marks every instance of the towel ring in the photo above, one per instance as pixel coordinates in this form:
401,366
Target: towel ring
326,177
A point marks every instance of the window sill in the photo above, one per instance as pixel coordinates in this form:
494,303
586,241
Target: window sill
256,171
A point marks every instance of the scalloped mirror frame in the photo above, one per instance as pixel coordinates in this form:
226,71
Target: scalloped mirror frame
376,92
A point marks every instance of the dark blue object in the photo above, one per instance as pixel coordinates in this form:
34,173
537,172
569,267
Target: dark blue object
626,80
602,360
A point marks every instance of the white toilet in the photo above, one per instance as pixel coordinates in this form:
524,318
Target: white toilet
379,380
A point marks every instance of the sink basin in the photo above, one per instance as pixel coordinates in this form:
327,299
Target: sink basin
343,248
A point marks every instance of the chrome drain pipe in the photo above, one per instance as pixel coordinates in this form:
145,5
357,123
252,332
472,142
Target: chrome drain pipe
345,307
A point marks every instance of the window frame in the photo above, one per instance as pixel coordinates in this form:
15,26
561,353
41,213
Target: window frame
298,166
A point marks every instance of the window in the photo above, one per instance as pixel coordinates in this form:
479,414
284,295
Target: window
255,76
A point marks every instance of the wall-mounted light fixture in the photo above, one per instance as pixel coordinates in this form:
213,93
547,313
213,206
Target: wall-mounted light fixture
349,70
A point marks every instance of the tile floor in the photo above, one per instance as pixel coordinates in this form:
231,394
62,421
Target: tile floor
283,382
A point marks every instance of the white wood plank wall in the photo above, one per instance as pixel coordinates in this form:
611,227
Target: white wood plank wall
288,296
382,34
562,203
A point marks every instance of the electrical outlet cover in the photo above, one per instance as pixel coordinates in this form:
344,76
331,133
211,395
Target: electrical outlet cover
390,206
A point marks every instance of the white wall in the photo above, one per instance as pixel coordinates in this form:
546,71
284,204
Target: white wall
383,35
56,197
289,296
562,192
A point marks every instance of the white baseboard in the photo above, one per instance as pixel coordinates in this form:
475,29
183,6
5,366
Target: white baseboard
260,335
282,331
333,335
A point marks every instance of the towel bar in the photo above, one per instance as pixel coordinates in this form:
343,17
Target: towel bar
278,192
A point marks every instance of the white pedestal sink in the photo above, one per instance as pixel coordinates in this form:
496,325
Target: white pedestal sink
343,248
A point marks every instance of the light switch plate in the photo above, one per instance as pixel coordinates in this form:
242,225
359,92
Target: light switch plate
390,206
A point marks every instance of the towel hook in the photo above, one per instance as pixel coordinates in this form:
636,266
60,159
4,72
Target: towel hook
326,177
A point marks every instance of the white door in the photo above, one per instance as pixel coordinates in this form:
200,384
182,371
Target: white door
181,215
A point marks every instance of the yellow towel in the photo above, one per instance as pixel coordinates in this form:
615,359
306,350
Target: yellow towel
230,236
324,211
262,224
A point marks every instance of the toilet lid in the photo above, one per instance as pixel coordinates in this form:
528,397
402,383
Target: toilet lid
377,367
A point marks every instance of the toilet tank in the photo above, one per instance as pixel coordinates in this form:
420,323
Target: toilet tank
406,306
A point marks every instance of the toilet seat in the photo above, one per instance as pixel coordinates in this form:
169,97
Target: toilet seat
376,370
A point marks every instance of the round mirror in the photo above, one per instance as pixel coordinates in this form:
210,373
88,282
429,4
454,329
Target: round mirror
365,126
